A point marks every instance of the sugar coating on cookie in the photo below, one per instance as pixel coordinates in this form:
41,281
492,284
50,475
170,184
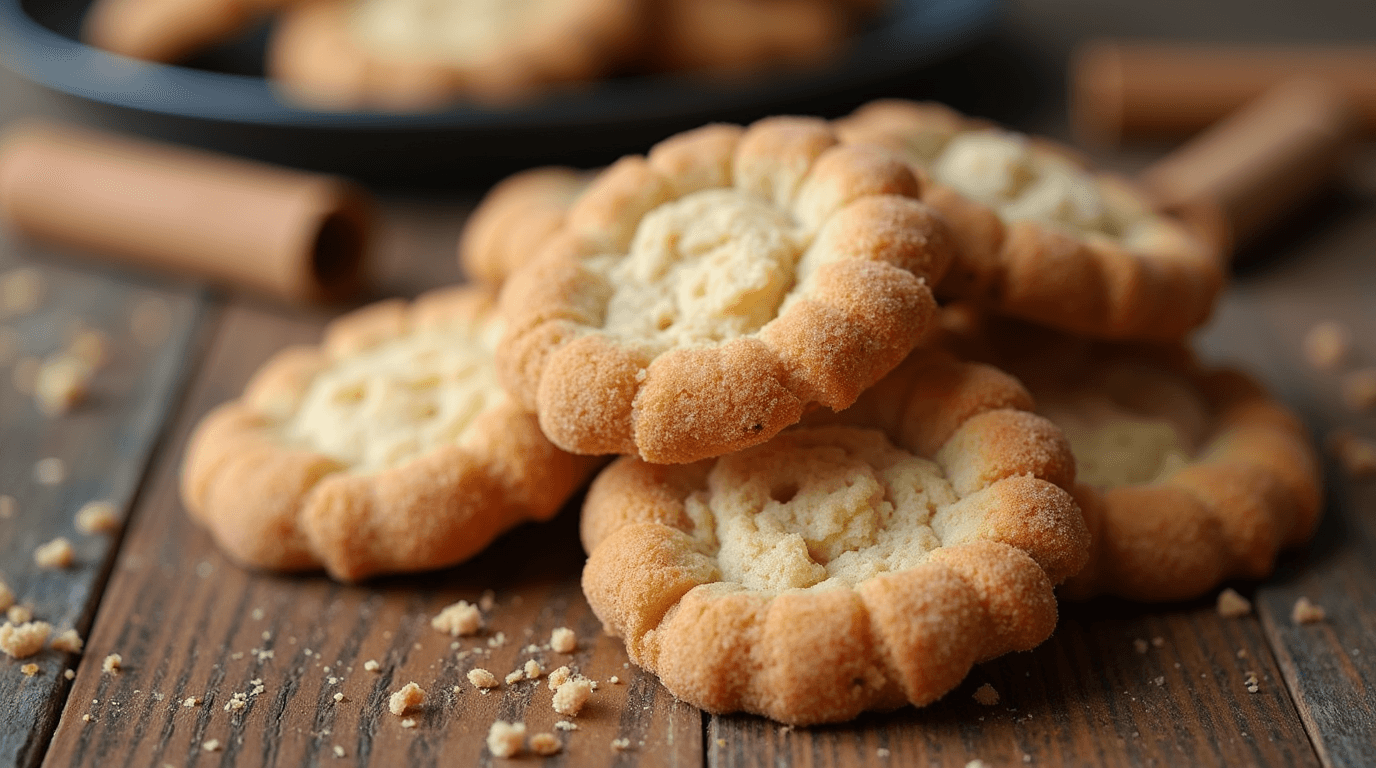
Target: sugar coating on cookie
700,299
506,229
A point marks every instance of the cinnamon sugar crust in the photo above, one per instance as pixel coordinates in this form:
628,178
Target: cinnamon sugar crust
1188,475
388,448
507,228
698,300
1042,236
847,564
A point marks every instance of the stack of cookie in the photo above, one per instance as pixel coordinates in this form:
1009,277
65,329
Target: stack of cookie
829,498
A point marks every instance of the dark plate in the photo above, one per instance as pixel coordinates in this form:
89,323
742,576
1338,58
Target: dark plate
235,110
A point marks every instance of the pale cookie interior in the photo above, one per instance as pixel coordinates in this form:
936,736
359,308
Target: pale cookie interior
1114,446
709,267
820,508
461,32
382,407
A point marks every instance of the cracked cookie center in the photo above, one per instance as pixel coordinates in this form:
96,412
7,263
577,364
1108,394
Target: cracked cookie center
397,401
709,267
819,507
1115,447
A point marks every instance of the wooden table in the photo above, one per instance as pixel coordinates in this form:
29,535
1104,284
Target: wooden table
1118,684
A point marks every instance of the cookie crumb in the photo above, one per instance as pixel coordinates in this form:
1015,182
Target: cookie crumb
50,471
533,669
61,384
515,676
986,695
211,746
506,739
1327,345
100,517
1160,681
192,701
9,506
338,751
566,725
86,718
25,639
563,640
482,679
68,642
545,744
57,553
1251,683
460,619
410,695
29,670
371,665
558,677
19,614
621,745
338,697
572,695
497,641
408,722
1359,389
614,680
1231,605
1306,612
881,753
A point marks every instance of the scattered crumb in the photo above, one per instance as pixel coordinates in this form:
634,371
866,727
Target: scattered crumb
1140,645
487,600
19,614
533,669
986,695
1327,345
338,751
191,701
563,640
1306,612
8,506
86,718
497,641
411,695
101,517
515,676
545,744
211,746
558,677
371,665
21,291
566,725
236,702
61,384
57,553
6,597
1160,681
614,680
1231,605
481,678
506,739
338,697
1251,683
408,722
68,642
621,745
150,321
256,614
50,471
29,670
1158,642
70,674
1359,389
572,695
881,752
25,639
112,663
461,618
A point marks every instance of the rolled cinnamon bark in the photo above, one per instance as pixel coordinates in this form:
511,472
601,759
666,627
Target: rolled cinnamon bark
300,236
1261,161
1123,89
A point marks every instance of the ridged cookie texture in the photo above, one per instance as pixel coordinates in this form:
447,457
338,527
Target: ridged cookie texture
860,561
1188,475
1042,237
416,54
507,228
389,448
700,299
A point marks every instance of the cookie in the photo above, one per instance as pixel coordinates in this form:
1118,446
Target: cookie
388,448
418,54
506,229
698,300
169,30
741,36
1042,237
1187,475
861,561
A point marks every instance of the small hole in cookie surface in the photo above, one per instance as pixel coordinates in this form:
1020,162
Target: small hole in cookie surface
784,493
665,323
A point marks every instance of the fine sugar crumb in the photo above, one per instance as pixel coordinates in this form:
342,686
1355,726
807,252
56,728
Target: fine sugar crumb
1327,345
533,669
338,697
9,507
563,640
101,517
545,744
192,701
29,670
24,640
57,553
506,739
566,725
6,596
1251,683
408,722
70,674
50,471
338,751
482,679
558,677
515,676
497,641
460,619
572,695
1359,389
1306,612
68,642
614,680
86,718
621,745
1140,645
1231,605
411,695
986,695
19,614
371,665
211,746
881,753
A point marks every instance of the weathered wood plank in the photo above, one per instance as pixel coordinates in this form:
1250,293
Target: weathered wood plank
187,622
103,445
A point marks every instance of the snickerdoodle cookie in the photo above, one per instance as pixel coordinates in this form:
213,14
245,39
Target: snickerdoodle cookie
388,448
1042,237
862,561
698,300
1187,475
506,229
